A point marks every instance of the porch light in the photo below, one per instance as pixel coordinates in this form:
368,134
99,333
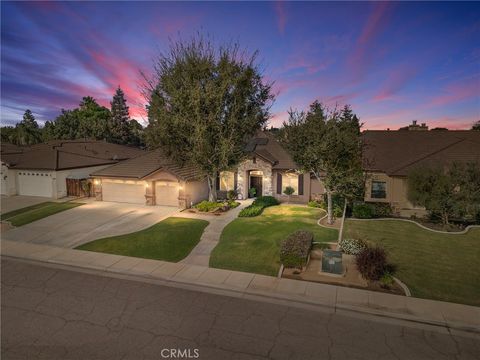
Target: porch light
146,184
97,182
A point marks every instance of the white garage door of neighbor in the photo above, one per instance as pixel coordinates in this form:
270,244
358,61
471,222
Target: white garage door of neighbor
166,194
120,192
35,183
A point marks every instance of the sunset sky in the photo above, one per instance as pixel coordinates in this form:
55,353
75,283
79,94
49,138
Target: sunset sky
393,62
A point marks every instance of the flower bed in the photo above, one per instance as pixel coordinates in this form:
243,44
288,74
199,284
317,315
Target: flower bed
258,205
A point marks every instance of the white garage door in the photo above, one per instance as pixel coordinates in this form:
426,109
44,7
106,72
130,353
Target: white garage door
34,183
166,193
133,193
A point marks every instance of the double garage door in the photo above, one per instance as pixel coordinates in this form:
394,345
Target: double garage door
134,192
35,183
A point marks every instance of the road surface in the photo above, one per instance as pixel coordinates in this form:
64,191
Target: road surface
52,313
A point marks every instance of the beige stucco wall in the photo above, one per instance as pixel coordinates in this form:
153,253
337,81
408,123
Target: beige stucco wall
195,191
396,194
8,181
317,189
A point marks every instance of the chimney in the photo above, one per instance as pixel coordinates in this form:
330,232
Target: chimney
414,122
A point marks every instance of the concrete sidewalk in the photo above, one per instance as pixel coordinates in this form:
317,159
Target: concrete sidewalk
200,255
330,298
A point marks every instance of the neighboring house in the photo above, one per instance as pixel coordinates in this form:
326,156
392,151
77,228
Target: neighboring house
55,169
150,179
391,155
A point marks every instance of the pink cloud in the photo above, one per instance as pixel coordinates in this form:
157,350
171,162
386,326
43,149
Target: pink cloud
395,81
365,50
280,11
456,92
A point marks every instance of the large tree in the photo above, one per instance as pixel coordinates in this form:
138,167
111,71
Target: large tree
476,125
448,191
327,144
204,105
28,131
120,131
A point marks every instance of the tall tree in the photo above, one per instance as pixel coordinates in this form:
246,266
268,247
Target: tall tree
119,127
93,119
476,125
204,105
28,131
9,134
328,145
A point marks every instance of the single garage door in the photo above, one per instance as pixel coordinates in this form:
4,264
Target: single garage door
166,193
133,192
34,183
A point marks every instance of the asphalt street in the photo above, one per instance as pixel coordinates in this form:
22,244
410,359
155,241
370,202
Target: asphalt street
52,313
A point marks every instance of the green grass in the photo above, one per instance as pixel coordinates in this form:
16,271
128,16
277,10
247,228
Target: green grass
253,244
171,240
434,266
36,212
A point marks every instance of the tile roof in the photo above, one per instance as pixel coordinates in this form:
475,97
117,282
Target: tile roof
397,152
145,165
268,148
69,154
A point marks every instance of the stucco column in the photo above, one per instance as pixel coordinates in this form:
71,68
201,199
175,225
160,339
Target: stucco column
150,198
97,189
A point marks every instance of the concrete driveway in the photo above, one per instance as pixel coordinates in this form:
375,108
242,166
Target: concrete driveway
94,220
10,203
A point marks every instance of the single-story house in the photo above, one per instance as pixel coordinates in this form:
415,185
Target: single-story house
154,180
55,169
391,155
150,179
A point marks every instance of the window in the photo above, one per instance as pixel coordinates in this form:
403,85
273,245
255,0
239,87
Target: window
227,181
379,190
291,179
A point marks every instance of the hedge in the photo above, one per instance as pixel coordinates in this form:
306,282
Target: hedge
295,248
258,205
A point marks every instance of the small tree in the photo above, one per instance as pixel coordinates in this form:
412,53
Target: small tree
289,192
205,103
328,145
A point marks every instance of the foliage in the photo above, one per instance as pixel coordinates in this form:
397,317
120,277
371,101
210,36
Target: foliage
266,201
205,103
363,211
232,204
26,132
86,187
289,190
372,262
328,145
252,191
316,204
352,246
119,127
295,249
386,280
381,210
208,206
231,195
251,211
337,212
476,125
447,192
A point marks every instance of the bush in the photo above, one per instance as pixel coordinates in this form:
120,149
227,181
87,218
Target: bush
233,204
250,211
295,248
265,201
289,190
231,195
352,246
381,209
386,280
252,191
362,211
337,212
208,206
372,263
316,204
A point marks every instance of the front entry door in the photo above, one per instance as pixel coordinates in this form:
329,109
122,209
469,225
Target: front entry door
256,182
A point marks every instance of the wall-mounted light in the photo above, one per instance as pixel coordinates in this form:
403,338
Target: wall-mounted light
180,187
97,182
146,185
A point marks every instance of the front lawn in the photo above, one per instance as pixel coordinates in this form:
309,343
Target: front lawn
253,244
171,240
36,212
434,266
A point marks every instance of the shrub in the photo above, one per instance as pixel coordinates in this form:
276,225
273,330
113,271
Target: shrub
295,248
372,263
265,201
316,204
289,190
232,204
208,206
352,246
337,211
252,192
386,280
250,211
362,211
231,195
381,209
